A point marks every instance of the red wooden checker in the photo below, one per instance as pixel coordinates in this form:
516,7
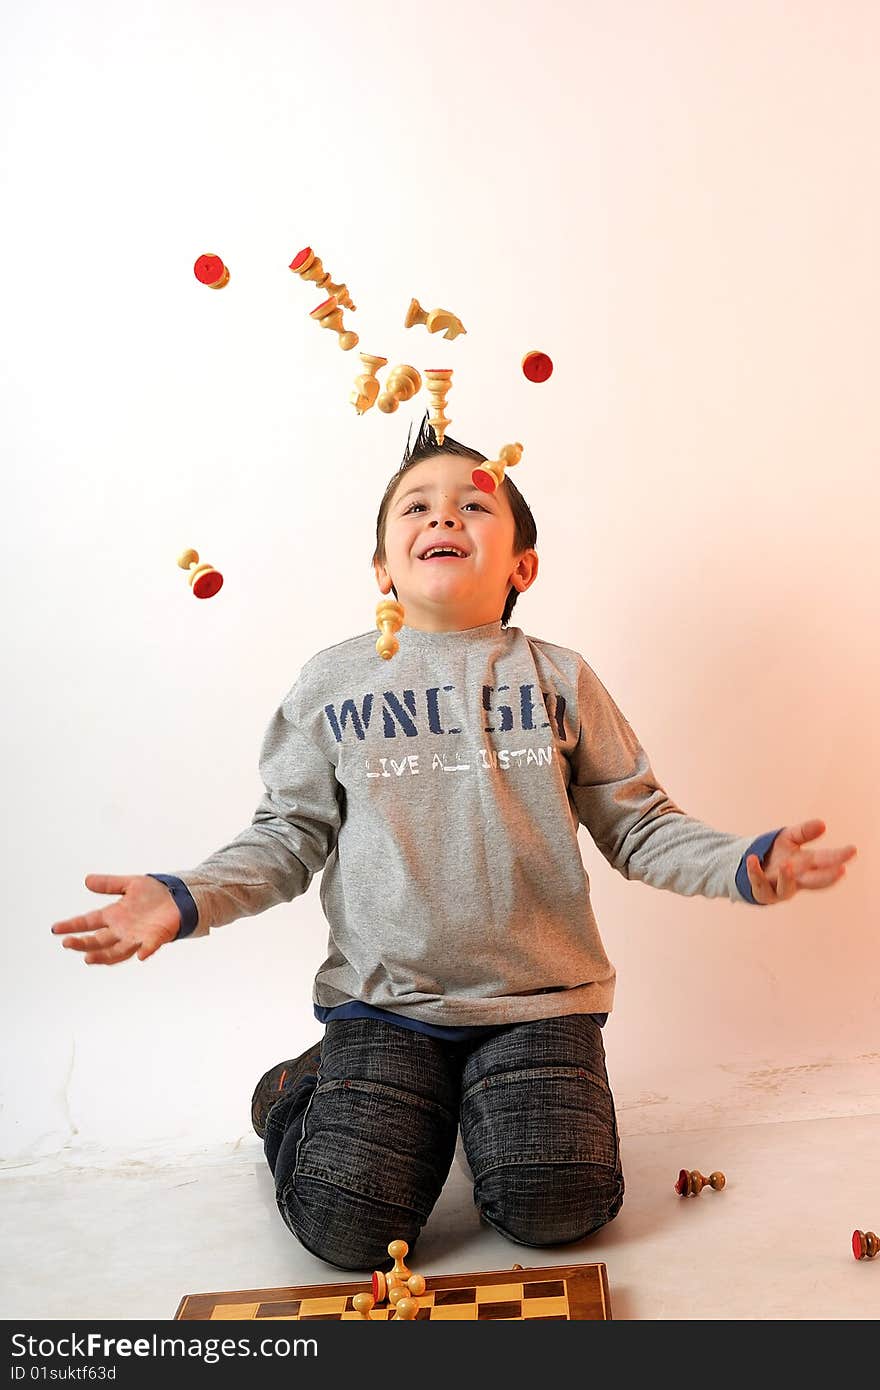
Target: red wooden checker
537,366
209,270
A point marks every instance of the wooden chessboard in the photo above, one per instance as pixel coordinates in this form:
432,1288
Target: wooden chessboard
555,1293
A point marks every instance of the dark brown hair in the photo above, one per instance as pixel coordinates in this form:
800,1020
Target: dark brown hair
525,535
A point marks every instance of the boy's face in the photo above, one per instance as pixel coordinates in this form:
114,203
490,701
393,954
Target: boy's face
435,505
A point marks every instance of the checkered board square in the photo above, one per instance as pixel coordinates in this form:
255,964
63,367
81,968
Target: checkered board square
558,1293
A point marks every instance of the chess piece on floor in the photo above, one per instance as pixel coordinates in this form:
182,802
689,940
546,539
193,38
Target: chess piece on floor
363,1303
366,386
204,579
308,266
329,315
691,1184
487,476
865,1245
209,270
389,619
437,383
401,384
435,321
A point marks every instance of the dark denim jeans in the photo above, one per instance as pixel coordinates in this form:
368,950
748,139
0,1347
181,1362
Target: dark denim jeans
360,1153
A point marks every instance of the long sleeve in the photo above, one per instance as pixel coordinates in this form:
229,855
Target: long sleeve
638,828
292,833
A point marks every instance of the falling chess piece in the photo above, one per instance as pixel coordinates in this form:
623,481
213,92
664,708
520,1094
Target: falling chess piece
487,476
407,1310
401,384
308,266
437,383
389,619
329,315
865,1245
537,366
209,270
366,386
363,1303
691,1184
435,321
204,579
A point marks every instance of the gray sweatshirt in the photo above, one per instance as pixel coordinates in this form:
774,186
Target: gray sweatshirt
441,793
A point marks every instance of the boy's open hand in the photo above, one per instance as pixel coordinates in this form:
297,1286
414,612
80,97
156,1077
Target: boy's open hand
789,866
145,917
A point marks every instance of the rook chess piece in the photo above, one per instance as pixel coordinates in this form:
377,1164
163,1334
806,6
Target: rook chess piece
204,579
691,1184
865,1245
437,383
329,315
308,266
389,619
210,270
366,386
487,476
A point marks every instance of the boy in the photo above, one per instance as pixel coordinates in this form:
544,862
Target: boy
466,984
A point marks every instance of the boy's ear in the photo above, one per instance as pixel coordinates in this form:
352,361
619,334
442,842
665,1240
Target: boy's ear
383,578
526,571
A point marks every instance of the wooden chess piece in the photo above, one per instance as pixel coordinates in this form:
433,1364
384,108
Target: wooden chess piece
329,315
397,1250
210,270
691,1184
404,1288
366,386
389,619
435,321
407,1310
487,476
865,1245
437,383
308,266
204,580
401,384
363,1303
537,366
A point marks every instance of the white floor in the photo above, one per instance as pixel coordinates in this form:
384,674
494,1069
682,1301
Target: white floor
128,1238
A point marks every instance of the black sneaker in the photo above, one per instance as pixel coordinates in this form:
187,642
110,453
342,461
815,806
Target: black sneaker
278,1079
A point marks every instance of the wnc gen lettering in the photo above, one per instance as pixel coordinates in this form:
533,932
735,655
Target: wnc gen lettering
405,715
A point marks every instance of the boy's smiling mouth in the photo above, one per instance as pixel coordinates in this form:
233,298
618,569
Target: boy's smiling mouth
444,552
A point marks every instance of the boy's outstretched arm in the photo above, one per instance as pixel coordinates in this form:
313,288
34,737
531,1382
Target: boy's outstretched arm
144,918
790,866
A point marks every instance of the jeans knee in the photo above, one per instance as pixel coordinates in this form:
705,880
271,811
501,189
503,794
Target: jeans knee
342,1228
549,1204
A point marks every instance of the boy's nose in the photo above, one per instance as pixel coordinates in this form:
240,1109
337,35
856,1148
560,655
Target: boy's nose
447,521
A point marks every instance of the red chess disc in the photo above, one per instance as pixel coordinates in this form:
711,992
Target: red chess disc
207,584
857,1245
537,366
681,1186
484,481
316,313
300,258
209,270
